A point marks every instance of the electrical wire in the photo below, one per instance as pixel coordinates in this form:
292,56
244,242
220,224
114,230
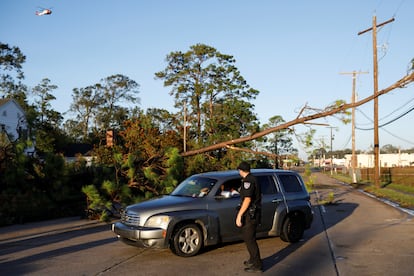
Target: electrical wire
386,116
398,109
347,141
395,136
389,122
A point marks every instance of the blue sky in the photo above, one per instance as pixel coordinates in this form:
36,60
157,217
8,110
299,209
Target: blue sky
293,52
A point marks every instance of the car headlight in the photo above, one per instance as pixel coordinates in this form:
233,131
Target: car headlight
158,221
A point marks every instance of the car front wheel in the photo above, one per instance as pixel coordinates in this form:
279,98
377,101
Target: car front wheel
187,240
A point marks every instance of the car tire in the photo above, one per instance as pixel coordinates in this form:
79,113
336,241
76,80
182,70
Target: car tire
187,240
292,229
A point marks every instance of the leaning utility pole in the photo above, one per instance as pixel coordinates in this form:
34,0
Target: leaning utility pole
354,163
376,136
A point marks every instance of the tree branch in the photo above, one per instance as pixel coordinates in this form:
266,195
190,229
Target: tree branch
272,155
399,84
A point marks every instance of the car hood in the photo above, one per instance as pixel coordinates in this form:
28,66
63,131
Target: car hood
167,204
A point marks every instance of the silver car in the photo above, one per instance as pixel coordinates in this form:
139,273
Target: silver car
201,211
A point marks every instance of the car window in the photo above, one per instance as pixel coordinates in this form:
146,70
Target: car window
290,183
232,186
267,184
194,186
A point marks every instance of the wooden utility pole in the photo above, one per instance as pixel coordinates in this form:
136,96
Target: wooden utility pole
376,136
354,163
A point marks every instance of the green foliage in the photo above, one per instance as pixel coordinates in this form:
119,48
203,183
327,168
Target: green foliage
170,174
279,143
174,170
95,200
309,178
11,73
196,164
401,194
404,199
145,160
330,199
210,89
401,188
33,189
157,181
45,124
98,107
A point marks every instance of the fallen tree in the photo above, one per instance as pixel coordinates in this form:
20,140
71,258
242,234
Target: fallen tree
305,119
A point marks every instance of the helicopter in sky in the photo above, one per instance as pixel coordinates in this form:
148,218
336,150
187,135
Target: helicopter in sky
43,11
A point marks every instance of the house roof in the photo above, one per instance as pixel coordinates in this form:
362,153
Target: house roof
4,101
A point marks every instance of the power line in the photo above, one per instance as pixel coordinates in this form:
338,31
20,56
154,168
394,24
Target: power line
382,128
387,123
395,136
386,116
347,141
398,109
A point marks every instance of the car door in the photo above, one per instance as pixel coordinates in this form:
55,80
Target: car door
271,198
226,209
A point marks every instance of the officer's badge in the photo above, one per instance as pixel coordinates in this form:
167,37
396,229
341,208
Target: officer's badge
246,185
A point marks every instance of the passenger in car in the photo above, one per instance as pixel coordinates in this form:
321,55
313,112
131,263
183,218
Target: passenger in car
233,192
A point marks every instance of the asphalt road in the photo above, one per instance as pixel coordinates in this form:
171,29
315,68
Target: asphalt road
357,235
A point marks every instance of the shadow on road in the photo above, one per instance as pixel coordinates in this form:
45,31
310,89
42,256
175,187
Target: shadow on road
25,265
325,217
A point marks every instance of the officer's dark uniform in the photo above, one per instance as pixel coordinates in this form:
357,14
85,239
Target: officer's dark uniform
250,188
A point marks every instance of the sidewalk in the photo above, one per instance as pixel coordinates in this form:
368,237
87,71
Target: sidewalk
43,228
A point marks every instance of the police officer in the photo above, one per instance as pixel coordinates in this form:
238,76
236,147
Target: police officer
248,216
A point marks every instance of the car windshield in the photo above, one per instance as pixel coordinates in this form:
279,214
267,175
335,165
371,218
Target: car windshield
194,186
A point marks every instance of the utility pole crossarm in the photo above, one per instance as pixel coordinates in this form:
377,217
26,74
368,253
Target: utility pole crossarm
379,25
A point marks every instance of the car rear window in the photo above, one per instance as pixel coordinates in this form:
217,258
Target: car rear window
290,183
267,184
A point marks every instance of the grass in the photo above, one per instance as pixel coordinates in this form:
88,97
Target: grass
402,188
329,200
403,199
401,194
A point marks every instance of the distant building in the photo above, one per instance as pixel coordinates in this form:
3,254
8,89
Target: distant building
386,160
76,152
13,123
365,160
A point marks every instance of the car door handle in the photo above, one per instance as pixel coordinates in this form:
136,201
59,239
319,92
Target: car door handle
277,200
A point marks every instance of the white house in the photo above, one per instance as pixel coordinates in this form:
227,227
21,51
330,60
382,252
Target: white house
364,160
13,123
387,160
